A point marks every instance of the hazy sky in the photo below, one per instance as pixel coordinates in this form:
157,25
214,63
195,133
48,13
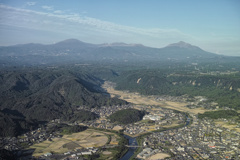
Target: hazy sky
213,25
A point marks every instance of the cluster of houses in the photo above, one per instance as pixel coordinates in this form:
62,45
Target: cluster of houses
75,154
159,116
147,152
193,102
201,140
27,139
81,152
105,111
182,98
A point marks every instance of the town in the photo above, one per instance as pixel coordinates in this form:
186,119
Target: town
200,140
177,134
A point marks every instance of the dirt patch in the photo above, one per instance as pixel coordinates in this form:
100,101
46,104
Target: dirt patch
117,128
71,146
107,153
159,156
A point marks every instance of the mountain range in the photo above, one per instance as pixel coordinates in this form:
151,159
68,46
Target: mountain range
30,95
75,51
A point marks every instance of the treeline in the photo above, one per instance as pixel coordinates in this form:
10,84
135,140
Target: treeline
127,116
219,114
223,89
121,148
73,129
82,116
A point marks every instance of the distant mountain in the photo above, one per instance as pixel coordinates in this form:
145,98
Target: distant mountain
120,44
182,44
74,51
69,43
182,51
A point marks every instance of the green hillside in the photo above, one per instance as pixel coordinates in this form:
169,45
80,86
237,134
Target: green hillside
219,114
223,89
127,116
13,123
44,95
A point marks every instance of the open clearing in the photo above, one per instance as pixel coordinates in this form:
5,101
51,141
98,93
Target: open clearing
107,153
136,98
228,126
159,156
87,138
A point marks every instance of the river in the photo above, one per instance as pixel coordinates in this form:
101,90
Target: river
132,142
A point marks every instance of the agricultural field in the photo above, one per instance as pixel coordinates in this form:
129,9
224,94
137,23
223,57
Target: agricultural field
87,138
138,99
159,156
227,125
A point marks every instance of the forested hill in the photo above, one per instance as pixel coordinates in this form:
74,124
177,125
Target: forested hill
48,94
127,116
13,123
224,89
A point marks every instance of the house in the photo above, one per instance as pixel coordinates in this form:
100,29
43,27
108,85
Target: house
180,149
47,154
87,153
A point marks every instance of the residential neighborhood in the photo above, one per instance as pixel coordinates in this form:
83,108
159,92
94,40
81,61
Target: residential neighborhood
196,139
200,140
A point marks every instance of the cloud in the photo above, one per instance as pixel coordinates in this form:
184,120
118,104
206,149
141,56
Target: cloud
58,12
49,8
31,3
87,28
56,25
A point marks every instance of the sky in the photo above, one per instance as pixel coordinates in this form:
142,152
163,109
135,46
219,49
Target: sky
213,25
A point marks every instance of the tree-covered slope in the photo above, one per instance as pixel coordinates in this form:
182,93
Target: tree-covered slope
13,123
224,89
82,116
50,94
127,116
219,114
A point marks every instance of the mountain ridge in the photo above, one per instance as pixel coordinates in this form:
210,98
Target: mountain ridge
182,44
75,51
72,41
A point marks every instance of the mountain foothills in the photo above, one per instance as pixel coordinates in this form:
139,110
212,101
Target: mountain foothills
40,83
44,95
223,89
127,116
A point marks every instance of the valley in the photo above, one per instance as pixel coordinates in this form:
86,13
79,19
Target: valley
138,99
119,80
73,100
164,116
